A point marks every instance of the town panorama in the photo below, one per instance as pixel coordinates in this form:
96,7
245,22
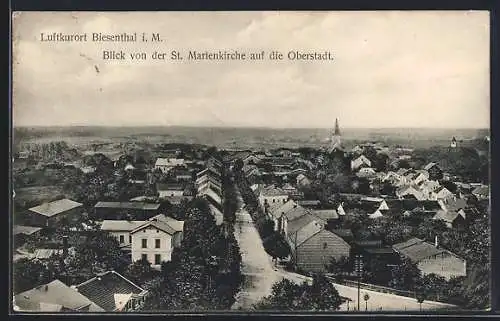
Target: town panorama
135,223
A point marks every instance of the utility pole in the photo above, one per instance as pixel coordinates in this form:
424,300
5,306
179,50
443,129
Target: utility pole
358,266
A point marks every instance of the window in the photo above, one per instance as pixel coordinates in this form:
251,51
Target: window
157,231
144,257
130,238
157,259
157,243
122,239
325,245
144,243
274,200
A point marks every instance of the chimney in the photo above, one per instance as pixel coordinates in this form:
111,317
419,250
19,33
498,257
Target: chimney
65,245
436,243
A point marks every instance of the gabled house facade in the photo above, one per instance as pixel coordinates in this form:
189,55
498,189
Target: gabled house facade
155,240
359,162
431,258
271,194
313,247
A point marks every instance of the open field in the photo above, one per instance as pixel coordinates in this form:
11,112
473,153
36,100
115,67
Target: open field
38,194
240,138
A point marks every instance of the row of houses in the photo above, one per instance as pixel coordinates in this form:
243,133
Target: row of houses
154,238
303,223
106,292
209,186
311,244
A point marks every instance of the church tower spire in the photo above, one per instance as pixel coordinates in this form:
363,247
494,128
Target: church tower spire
335,143
337,128
453,142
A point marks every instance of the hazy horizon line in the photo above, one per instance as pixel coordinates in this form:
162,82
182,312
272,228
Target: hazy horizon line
236,127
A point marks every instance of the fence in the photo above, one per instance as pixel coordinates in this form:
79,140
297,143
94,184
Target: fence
376,288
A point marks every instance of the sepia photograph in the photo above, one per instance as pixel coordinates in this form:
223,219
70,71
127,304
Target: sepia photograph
272,161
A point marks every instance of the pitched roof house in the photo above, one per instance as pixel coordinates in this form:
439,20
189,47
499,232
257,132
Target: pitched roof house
410,191
375,207
452,219
325,214
275,210
166,164
366,172
360,161
120,229
112,292
435,172
313,247
430,165
155,239
25,230
50,214
430,258
481,192
115,210
272,194
54,296
209,191
442,193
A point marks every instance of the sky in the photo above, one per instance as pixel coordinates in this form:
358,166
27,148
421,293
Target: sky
391,69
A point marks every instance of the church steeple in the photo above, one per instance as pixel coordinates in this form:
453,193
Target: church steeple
337,128
335,143
453,142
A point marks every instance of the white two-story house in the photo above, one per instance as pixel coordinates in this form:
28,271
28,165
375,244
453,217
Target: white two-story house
153,240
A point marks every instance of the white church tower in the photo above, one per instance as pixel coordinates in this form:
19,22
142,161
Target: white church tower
335,141
453,142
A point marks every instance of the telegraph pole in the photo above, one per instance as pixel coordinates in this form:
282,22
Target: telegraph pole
358,266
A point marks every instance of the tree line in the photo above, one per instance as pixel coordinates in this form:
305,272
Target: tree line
204,273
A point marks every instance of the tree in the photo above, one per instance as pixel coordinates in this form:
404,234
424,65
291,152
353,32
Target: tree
238,165
387,189
289,296
377,272
361,185
204,272
421,296
405,276
139,271
476,287
28,274
99,252
339,267
276,246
